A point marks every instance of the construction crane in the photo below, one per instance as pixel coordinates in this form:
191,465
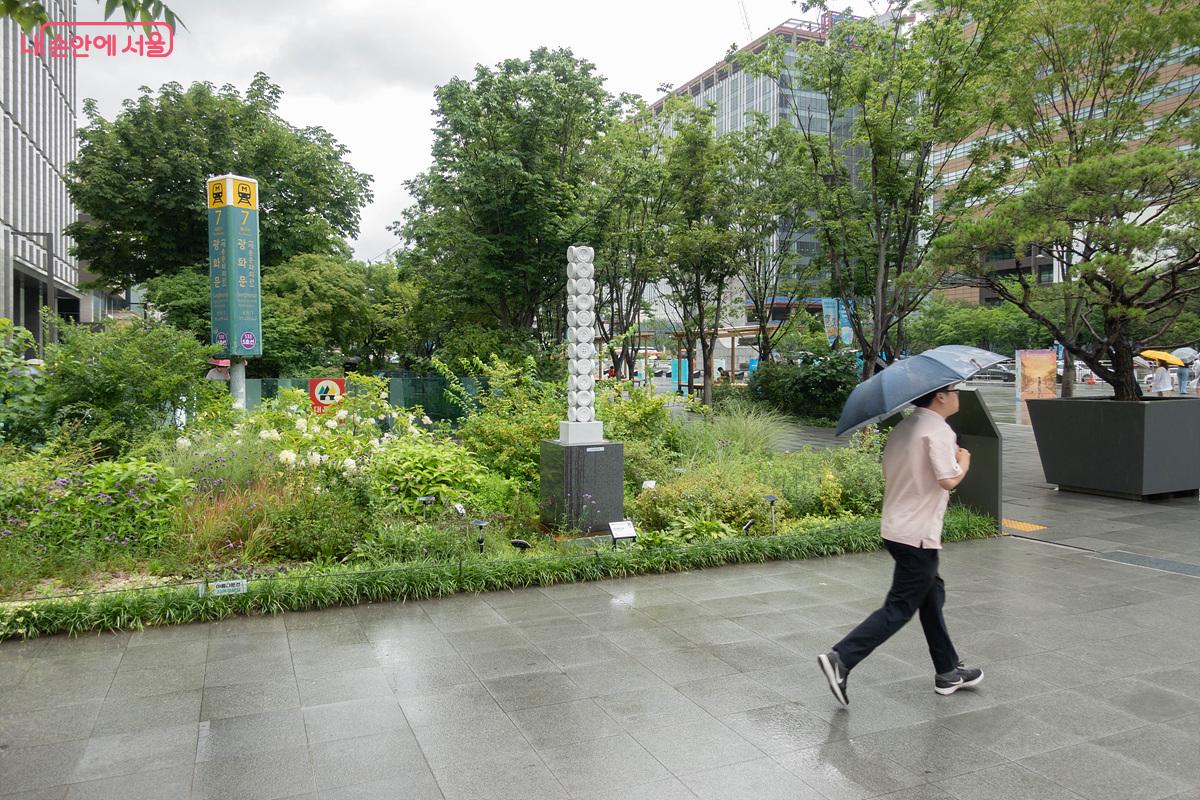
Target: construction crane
745,19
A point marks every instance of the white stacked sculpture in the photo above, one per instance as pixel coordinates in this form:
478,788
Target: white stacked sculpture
581,426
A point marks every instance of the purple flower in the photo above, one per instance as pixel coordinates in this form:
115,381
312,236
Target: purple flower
394,488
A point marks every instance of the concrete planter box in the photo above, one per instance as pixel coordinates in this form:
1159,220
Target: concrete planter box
1136,450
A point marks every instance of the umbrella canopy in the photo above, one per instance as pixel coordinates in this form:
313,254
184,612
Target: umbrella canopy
1185,354
886,392
1160,355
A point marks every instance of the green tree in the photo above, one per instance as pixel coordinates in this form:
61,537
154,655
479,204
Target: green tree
1120,225
1001,328
141,179
315,313
769,173
890,90
701,239
495,212
632,208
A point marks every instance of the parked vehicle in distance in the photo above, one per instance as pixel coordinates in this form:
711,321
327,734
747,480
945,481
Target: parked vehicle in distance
997,372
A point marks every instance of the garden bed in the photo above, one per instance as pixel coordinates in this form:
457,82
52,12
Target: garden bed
310,588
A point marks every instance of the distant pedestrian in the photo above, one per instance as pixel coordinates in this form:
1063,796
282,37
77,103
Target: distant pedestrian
921,464
219,371
1184,376
1161,384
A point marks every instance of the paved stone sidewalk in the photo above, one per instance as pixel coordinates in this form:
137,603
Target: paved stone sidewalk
680,686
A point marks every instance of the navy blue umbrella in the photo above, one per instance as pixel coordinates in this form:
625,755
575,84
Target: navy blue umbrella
886,392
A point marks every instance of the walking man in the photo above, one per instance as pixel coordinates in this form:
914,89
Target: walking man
921,464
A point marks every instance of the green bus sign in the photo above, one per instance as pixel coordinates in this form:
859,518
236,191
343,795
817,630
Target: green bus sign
233,267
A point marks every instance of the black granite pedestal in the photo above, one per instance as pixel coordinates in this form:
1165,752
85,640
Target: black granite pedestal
582,485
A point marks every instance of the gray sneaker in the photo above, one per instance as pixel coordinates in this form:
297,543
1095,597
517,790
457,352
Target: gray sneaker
836,673
961,678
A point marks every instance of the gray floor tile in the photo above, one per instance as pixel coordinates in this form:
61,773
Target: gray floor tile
565,723
129,714
353,718
404,649
381,756
243,645
931,750
848,770
425,674
510,661
173,783
325,636
306,620
196,632
139,751
414,785
165,655
249,698
558,630
696,746
762,779
1005,782
580,651
529,691
1010,731
46,726
337,658
690,664
714,630
459,702
604,764
248,669
609,677
780,728
231,737
1144,699
755,654
669,789
155,681
652,638
1161,749
462,741
656,707
49,793
41,766
729,694
485,640
338,687
1098,773
257,776
519,777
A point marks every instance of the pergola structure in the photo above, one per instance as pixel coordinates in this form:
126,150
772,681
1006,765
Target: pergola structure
733,332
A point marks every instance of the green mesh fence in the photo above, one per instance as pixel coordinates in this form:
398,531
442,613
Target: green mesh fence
404,389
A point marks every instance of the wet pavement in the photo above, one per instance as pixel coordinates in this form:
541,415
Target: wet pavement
696,685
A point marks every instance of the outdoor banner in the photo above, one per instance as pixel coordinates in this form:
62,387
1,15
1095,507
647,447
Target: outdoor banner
844,323
829,313
233,265
324,392
1036,371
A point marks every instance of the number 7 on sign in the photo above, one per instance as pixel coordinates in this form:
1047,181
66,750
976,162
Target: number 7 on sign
219,215
245,216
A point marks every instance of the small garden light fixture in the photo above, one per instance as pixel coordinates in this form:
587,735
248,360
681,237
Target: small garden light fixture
427,500
520,544
749,524
479,525
771,499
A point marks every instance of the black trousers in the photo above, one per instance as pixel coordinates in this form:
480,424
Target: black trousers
916,588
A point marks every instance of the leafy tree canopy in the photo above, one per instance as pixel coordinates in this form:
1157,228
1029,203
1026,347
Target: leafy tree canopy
497,209
141,179
30,13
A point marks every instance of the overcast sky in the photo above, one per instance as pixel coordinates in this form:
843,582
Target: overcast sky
366,69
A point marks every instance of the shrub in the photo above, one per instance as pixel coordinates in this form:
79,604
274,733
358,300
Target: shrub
739,430
325,524
121,384
411,541
505,422
20,386
419,465
837,481
816,388
729,493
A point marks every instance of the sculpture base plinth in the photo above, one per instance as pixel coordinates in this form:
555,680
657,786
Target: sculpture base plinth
580,432
582,485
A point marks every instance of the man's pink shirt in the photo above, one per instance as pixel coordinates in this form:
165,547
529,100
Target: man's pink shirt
921,451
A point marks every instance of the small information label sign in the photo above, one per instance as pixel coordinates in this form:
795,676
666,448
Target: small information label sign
228,587
622,529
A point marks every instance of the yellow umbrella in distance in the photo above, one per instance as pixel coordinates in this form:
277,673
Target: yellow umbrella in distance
1159,355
